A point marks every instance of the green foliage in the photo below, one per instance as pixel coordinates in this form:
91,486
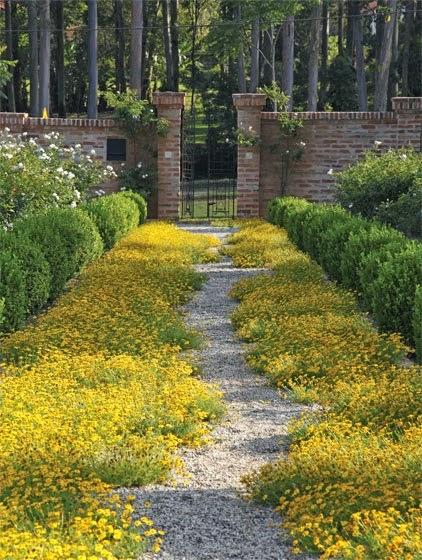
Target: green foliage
417,323
276,95
1,311
139,201
360,244
34,265
114,216
69,240
6,67
342,91
140,179
246,138
395,289
12,291
39,174
134,112
405,213
380,178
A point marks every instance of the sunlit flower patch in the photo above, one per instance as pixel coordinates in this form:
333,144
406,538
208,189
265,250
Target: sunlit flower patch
350,486
94,394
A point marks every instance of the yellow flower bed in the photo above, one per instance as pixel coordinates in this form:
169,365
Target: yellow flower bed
94,394
350,487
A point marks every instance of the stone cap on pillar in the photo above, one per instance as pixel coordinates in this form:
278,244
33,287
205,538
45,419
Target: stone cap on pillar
169,99
253,100
407,104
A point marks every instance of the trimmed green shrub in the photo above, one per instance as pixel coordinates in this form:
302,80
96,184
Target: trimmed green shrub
34,265
316,221
12,291
68,239
405,213
360,243
395,288
417,324
378,178
114,216
139,201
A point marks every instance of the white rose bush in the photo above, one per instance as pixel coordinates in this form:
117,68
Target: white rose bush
41,173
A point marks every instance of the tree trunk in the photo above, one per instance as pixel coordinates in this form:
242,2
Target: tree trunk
174,35
119,56
383,70
92,108
360,58
349,30
324,53
314,42
266,56
408,24
136,78
33,58
167,45
59,22
11,102
240,55
393,80
288,48
151,20
255,56
45,55
340,12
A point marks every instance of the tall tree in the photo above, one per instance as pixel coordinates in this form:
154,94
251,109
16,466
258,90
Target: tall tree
359,56
60,74
167,44
408,26
255,36
92,106
288,45
174,39
136,78
44,56
11,102
383,69
33,58
240,54
393,77
314,42
325,31
340,27
119,53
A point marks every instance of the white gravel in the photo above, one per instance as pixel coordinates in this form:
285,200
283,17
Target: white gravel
206,517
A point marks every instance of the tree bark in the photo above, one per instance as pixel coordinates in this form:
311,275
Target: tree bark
174,37
119,53
240,55
349,29
167,45
44,56
393,79
288,48
324,53
383,70
360,58
255,55
61,88
136,78
92,106
33,58
340,12
408,24
11,101
314,42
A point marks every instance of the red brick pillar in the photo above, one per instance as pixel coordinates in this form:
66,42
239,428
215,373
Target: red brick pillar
408,111
169,106
249,107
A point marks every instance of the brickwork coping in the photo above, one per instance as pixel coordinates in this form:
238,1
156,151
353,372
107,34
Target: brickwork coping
168,99
25,120
407,104
250,100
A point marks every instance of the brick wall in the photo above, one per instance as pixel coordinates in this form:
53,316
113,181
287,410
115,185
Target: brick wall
333,141
92,134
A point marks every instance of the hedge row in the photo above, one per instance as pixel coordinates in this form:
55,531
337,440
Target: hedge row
42,252
375,260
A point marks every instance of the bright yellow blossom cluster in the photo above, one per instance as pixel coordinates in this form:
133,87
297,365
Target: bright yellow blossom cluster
350,487
94,394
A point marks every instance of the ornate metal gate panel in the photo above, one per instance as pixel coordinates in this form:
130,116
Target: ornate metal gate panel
208,182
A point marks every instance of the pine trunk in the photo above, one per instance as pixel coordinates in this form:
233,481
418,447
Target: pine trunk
60,75
33,58
92,60
287,72
45,56
360,59
11,101
408,25
255,56
174,37
136,78
340,15
314,42
383,70
240,54
167,45
119,55
324,53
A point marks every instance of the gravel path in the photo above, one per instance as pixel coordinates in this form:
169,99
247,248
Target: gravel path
206,518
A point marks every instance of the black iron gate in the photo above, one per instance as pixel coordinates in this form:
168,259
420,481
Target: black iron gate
208,168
